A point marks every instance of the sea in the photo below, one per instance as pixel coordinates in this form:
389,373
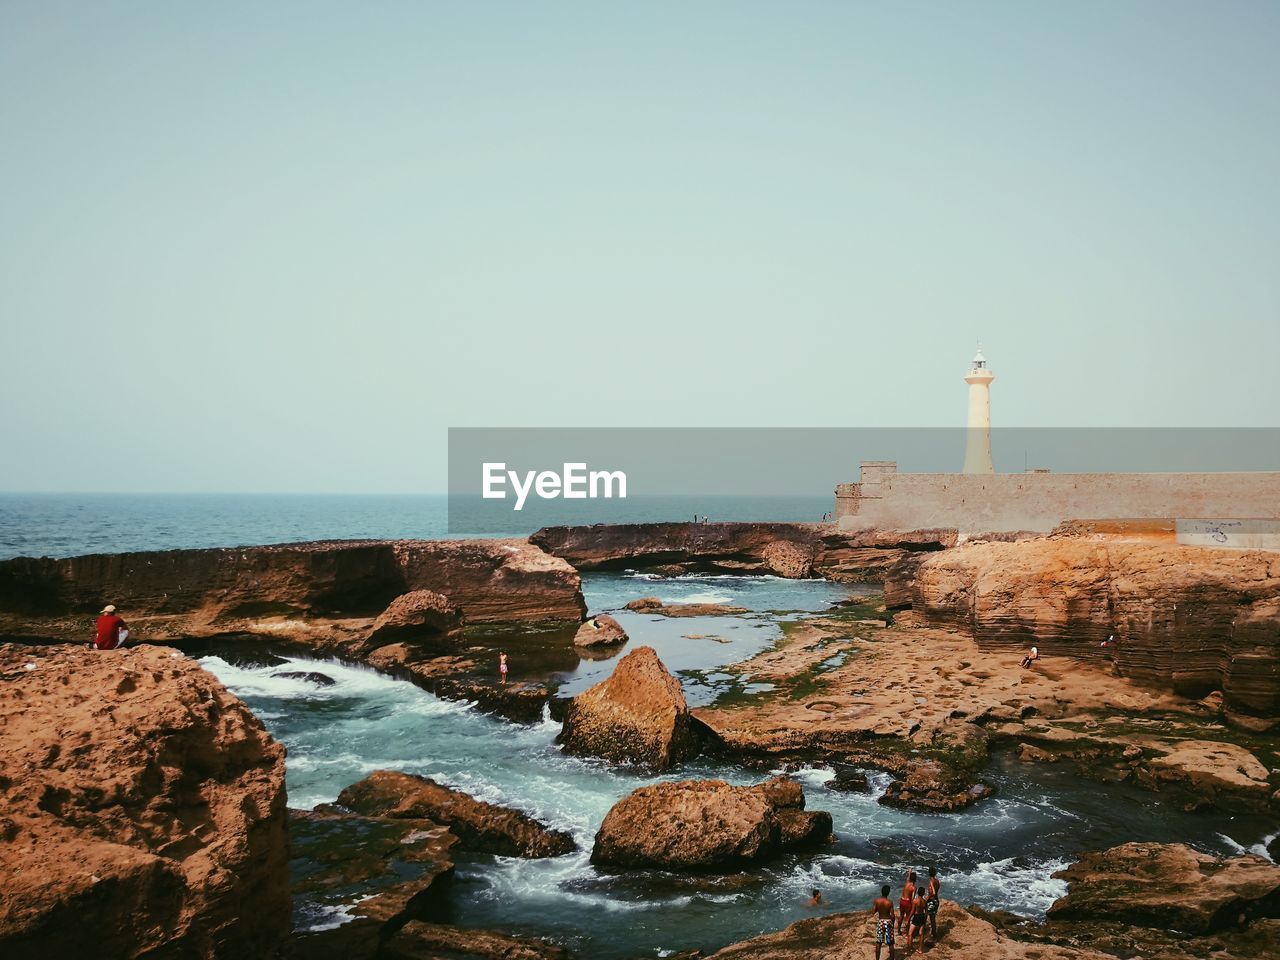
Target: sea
68,524
1002,854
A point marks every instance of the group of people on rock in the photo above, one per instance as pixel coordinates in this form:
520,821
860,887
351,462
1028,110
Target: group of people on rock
916,912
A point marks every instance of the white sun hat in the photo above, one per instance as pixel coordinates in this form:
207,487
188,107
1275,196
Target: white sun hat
109,608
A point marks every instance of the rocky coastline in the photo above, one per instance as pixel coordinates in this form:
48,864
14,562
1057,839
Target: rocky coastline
170,810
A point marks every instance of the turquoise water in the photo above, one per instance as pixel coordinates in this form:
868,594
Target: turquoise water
61,525
999,854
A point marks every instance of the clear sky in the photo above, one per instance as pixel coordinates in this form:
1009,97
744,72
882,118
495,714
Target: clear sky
283,246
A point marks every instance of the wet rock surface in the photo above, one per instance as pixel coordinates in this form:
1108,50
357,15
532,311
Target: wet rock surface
707,825
479,826
142,810
637,715
601,630
1169,886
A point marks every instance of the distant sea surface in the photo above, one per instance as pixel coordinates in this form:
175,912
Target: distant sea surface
68,524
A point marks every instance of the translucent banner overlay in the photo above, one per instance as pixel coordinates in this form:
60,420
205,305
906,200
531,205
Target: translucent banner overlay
575,476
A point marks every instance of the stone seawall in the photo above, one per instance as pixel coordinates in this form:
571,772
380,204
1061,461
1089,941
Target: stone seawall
888,500
1185,618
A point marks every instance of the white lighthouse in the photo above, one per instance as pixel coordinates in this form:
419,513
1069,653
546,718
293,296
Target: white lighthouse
977,451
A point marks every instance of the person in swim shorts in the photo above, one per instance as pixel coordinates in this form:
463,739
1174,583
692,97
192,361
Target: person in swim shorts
904,903
916,922
931,901
882,910
502,666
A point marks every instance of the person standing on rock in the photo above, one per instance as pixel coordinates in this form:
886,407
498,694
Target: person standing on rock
110,630
882,910
904,903
502,666
916,922
931,902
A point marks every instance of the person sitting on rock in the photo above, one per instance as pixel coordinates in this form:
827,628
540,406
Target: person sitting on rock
1031,657
882,910
110,630
904,903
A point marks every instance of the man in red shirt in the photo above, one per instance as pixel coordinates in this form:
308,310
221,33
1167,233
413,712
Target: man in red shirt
108,629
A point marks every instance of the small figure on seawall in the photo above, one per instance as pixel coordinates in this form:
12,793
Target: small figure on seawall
110,630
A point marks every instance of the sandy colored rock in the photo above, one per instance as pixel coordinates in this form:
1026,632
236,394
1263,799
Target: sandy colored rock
434,941
1189,619
707,825
781,549
655,606
786,558
323,595
601,630
637,715
850,936
422,622
479,826
1213,767
142,809
1168,886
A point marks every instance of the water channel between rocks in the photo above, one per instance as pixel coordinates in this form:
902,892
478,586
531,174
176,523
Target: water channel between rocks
999,854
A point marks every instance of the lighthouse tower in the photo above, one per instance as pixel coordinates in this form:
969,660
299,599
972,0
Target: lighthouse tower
977,451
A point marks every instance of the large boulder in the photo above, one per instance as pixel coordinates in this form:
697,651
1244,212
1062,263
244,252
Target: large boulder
479,826
637,715
425,623
1170,886
600,631
142,810
707,825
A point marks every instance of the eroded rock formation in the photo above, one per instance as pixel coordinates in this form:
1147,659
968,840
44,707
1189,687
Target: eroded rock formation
323,595
601,630
1186,618
479,826
422,623
142,810
637,715
707,825
1169,886
792,550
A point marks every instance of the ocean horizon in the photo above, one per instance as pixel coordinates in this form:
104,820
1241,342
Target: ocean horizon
72,524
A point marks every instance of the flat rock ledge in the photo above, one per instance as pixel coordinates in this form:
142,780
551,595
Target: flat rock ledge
479,826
